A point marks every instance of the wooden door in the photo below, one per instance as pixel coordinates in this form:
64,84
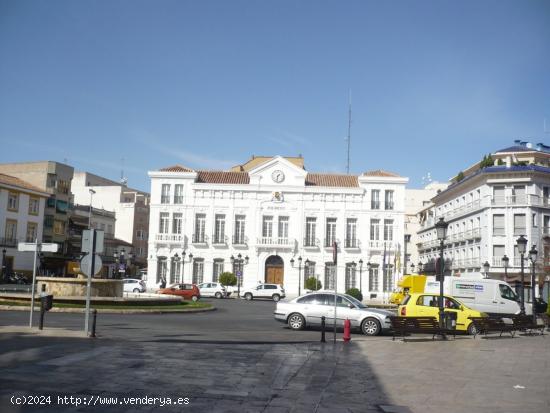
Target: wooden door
274,275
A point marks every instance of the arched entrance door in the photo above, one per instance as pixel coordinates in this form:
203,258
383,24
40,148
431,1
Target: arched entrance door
274,270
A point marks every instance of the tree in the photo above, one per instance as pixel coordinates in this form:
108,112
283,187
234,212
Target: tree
460,176
355,293
228,278
486,161
313,284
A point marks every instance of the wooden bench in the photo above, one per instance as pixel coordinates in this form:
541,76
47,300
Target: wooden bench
525,323
485,325
423,325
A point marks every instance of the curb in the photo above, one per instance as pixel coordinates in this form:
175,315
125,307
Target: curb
107,310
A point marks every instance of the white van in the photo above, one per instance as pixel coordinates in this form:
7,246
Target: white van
483,294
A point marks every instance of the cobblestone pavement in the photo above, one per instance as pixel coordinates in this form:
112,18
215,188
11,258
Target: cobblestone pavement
374,375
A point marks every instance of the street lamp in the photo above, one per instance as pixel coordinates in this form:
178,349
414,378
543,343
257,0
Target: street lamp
115,270
505,262
238,264
299,273
361,276
92,192
533,257
522,246
412,268
486,267
420,267
306,270
441,229
3,264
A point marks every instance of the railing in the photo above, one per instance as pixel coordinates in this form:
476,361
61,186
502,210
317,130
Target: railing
329,241
8,242
352,243
170,237
380,245
219,240
534,200
311,242
199,239
545,230
240,240
275,241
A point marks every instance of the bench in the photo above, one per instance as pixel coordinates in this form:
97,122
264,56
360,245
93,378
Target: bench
546,320
487,325
423,325
525,323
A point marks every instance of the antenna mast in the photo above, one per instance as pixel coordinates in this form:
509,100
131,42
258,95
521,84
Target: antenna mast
349,131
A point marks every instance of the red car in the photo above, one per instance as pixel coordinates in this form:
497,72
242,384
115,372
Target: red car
187,291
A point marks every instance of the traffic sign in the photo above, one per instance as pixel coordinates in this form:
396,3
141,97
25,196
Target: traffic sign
31,246
239,273
87,241
86,264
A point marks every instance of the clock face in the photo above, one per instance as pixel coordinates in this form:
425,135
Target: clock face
278,176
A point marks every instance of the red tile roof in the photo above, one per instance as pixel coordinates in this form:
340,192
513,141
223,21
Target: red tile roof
342,181
223,177
176,168
13,181
380,172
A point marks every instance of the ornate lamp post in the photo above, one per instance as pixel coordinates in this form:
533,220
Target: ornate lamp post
306,269
299,273
115,270
191,262
361,276
505,263
238,264
533,257
441,229
486,267
353,267
522,246
420,267
412,267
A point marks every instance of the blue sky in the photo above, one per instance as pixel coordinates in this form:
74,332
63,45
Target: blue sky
435,84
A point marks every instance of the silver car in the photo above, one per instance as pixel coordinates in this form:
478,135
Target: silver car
308,309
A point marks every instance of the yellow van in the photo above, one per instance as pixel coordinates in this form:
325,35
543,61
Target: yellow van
409,284
427,305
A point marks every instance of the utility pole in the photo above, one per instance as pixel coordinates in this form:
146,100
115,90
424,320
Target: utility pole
349,131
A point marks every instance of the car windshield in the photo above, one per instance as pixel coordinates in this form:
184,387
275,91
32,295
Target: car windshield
356,302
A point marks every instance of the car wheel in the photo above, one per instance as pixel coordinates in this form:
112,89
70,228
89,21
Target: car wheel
194,298
296,321
370,327
218,295
276,297
248,296
472,329
136,290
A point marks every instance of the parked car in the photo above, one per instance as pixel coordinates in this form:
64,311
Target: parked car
212,290
187,291
308,309
272,291
132,285
427,305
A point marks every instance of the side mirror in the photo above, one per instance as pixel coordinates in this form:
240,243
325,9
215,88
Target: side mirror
351,306
461,308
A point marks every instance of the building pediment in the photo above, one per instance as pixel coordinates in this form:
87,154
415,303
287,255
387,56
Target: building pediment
278,172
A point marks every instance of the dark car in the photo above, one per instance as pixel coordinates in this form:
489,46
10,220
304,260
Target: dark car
187,291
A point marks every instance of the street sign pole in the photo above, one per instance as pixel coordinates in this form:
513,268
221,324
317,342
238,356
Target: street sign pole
37,247
89,284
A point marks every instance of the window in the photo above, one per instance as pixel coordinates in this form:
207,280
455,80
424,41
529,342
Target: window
48,221
11,229
283,228
309,271
177,223
388,278
59,227
267,226
507,292
239,229
350,276
102,226
373,278
162,269
330,271
498,224
518,194
200,227
13,201
498,252
34,206
388,199
519,224
178,194
175,271
330,232
110,229
534,220
217,270
351,233
51,202
375,199
498,194
388,230
165,194
374,229
219,229
51,180
546,224
198,270
311,223
63,186
164,223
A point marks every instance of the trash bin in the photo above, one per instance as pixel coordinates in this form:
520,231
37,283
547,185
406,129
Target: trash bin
450,320
46,301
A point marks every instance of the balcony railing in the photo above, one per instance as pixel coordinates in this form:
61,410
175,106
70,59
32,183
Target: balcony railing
351,243
219,239
170,237
380,245
275,241
240,240
199,239
329,241
8,242
311,242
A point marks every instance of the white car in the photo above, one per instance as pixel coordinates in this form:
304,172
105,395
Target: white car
132,285
272,291
212,290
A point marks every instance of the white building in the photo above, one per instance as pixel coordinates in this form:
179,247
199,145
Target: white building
21,220
271,210
487,209
131,208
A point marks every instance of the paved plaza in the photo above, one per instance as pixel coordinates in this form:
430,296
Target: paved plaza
231,375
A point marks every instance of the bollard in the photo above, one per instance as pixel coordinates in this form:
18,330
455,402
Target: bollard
42,312
94,314
347,330
323,329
